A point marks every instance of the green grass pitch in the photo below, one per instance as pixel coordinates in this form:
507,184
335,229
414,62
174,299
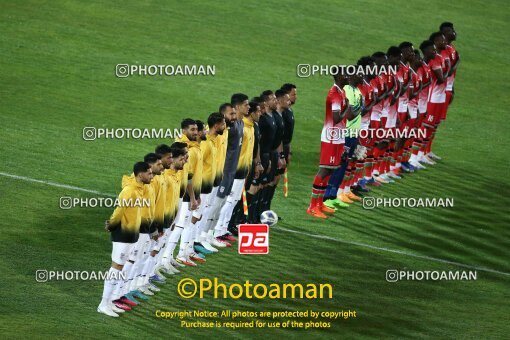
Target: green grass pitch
57,62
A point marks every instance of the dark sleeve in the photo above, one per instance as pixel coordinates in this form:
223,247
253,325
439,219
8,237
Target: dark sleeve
266,138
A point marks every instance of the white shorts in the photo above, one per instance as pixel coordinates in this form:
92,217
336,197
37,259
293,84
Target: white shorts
121,252
141,246
183,215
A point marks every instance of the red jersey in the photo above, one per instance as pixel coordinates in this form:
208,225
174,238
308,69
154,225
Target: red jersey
438,91
413,103
335,101
423,98
454,57
403,78
378,84
368,92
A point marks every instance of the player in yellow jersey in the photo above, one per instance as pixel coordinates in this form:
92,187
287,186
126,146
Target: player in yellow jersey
191,200
252,182
242,166
175,158
131,288
212,156
124,226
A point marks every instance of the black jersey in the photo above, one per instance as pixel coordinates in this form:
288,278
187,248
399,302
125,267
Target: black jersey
267,129
288,122
256,139
280,128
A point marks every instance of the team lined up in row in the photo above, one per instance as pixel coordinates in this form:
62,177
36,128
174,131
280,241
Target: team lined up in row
415,98
195,187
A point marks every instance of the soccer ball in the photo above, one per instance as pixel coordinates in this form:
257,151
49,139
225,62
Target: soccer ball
269,217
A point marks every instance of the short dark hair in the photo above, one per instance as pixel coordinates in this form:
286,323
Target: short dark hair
445,24
266,93
280,93
214,118
186,122
417,52
178,145
365,61
223,107
140,167
151,158
200,125
394,51
378,54
426,44
405,44
287,87
238,98
253,107
162,149
435,35
178,149
177,152
257,100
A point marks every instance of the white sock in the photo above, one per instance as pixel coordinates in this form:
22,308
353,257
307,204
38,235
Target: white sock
110,284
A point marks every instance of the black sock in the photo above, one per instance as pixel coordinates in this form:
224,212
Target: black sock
270,196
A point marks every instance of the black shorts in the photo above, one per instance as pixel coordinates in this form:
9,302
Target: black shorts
269,177
250,180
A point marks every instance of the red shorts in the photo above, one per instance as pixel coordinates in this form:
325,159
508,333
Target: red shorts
434,113
383,121
446,104
331,155
402,117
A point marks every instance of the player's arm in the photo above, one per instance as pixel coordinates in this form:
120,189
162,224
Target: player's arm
119,211
258,164
339,112
189,187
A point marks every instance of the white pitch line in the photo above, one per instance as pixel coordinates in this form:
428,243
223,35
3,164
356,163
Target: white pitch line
322,237
53,184
401,252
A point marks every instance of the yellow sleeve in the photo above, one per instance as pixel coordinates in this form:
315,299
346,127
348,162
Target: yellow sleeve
119,211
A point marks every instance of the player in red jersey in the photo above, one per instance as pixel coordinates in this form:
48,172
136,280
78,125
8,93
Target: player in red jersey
419,144
402,147
440,65
437,94
369,89
415,88
332,144
378,119
394,59
450,34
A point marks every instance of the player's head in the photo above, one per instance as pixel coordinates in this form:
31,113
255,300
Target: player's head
201,131
366,63
407,51
291,90
240,103
380,58
439,40
142,172
341,78
190,129
428,49
179,155
270,100
394,55
254,111
417,61
448,31
154,160
165,154
282,99
228,112
216,123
